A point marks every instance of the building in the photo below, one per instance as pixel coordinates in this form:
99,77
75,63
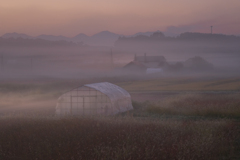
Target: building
135,67
94,99
151,61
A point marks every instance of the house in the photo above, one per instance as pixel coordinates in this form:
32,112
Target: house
151,61
135,67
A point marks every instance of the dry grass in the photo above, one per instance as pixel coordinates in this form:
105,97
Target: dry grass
207,105
117,138
183,84
121,137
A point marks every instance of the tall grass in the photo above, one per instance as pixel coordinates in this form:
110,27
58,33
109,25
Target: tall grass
208,105
120,137
117,138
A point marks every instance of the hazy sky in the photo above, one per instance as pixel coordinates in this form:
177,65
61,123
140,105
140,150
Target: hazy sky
71,17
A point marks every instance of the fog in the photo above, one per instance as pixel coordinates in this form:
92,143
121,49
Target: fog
82,62
33,77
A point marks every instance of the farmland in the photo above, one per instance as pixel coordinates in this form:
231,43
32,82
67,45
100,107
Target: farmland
184,118
118,138
183,84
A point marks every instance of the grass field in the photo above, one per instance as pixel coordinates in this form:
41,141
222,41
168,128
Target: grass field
19,94
172,126
183,84
193,106
119,138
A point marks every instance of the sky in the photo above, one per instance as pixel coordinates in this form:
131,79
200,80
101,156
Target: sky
71,17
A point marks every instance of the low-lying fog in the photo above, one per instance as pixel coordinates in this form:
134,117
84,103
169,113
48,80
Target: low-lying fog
79,62
34,77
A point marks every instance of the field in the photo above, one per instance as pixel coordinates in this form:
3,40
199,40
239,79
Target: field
184,118
118,138
183,84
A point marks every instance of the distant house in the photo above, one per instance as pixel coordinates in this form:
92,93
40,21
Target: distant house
151,61
135,66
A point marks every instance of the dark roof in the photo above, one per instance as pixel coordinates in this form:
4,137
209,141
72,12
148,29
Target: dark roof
135,64
146,59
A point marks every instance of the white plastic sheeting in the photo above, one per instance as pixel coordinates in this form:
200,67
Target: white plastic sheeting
113,91
94,99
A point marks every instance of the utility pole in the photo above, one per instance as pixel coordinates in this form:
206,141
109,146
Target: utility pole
211,29
145,58
2,64
111,59
31,63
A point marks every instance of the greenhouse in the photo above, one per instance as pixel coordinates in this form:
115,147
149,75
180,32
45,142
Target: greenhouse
94,99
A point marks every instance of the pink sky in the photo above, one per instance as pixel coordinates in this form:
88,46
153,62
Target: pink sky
71,17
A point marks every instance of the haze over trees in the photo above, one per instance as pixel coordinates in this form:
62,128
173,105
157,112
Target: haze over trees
24,42
72,55
106,38
189,37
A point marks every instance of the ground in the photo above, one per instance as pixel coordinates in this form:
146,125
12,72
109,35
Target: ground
184,118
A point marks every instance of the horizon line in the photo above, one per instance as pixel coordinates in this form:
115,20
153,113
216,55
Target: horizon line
116,33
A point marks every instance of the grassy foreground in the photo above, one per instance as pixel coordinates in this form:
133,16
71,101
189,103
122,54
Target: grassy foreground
183,84
196,126
195,105
118,138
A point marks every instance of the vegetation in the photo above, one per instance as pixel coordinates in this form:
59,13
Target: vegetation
183,84
117,138
206,105
180,126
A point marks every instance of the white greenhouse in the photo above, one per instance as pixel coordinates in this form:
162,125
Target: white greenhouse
94,99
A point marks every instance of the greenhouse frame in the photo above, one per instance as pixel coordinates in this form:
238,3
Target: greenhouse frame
94,99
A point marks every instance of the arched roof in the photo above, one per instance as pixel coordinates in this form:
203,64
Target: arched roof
114,92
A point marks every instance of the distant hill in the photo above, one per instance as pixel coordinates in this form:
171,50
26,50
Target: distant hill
106,35
197,43
80,38
107,38
191,37
16,35
23,42
142,33
207,37
53,38
104,38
